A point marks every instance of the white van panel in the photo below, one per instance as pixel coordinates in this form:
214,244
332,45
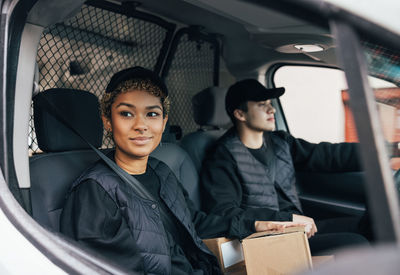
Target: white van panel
18,255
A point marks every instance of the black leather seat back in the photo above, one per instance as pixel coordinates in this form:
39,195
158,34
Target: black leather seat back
65,156
181,164
51,177
209,113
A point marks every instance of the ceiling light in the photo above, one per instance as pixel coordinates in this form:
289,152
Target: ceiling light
302,48
308,48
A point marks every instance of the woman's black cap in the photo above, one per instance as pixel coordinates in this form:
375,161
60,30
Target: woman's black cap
138,73
248,90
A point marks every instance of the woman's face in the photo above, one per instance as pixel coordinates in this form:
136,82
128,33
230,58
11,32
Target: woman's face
137,124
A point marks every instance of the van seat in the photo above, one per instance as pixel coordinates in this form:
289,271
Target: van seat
182,165
65,156
209,113
172,133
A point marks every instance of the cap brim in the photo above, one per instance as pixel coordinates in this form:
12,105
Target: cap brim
267,93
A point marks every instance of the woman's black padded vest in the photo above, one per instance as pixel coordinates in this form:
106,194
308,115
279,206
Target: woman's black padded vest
143,216
257,184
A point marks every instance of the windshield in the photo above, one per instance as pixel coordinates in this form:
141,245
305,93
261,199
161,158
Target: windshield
382,62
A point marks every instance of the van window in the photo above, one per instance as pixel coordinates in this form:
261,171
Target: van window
315,104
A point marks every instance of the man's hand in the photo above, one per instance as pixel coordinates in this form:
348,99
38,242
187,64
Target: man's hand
308,222
276,226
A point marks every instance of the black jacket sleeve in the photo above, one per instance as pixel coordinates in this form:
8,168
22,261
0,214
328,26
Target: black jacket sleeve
92,218
324,156
222,190
213,226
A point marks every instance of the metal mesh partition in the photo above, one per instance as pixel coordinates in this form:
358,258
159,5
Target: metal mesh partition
192,65
84,51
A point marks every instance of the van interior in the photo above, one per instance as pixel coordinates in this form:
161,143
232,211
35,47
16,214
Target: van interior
67,51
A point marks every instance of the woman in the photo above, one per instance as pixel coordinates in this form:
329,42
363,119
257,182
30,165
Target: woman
105,215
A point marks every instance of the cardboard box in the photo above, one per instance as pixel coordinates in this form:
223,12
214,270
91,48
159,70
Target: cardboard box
266,252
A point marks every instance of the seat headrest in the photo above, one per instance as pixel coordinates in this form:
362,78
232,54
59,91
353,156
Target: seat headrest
79,108
171,134
209,107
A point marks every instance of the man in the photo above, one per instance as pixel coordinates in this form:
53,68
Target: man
251,173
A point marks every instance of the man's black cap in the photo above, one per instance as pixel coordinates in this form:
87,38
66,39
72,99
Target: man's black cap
138,73
248,90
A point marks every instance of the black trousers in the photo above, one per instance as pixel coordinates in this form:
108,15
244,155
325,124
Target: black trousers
339,233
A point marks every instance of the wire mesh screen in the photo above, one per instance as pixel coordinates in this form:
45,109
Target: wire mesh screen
191,70
84,52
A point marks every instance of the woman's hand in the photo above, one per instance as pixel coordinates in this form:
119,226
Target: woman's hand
275,226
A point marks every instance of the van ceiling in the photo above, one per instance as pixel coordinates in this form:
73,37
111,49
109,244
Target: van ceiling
250,33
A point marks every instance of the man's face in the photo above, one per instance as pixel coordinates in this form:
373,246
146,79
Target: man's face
260,116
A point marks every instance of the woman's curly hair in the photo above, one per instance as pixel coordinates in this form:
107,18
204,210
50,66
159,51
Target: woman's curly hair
130,85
